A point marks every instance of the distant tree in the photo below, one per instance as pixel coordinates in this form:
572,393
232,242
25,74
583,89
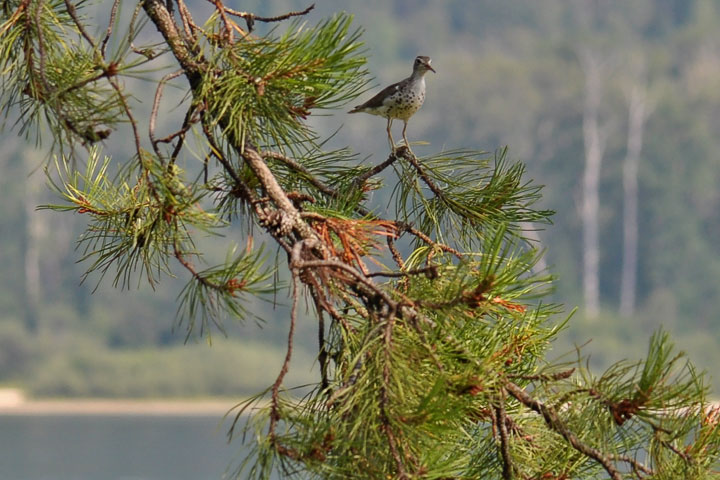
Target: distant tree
432,332
595,138
638,111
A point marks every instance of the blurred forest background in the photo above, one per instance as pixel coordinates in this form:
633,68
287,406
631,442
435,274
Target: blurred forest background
614,106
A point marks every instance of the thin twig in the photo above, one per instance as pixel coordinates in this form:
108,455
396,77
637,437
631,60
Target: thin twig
395,253
637,466
322,187
675,450
322,348
226,21
275,406
81,28
156,107
131,117
406,227
431,269
349,269
397,257
555,423
306,173
245,191
131,30
360,180
105,72
327,306
41,45
500,417
188,25
192,61
385,397
186,125
108,32
546,377
193,271
239,183
428,181
279,18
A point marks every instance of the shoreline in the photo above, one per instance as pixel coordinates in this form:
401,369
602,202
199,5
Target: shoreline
14,403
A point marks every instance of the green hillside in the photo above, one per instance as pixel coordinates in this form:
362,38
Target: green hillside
512,73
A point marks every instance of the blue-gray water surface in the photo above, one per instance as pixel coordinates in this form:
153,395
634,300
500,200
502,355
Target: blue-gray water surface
115,448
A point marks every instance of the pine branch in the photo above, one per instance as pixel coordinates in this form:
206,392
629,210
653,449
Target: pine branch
553,421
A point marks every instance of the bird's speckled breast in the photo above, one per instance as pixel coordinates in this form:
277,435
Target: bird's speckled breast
405,101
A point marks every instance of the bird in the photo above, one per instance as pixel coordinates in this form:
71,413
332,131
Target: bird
400,100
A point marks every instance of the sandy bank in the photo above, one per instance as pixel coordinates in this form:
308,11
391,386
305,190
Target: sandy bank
13,402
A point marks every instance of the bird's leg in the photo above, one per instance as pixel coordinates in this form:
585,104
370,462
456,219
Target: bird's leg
392,142
407,144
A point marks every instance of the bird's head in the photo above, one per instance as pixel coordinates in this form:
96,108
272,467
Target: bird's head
422,64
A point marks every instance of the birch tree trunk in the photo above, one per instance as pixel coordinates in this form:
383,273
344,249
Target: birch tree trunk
637,115
595,140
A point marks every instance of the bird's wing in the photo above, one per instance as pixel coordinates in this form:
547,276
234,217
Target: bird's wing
377,100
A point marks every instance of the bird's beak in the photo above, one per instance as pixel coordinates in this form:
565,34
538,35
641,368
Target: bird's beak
430,68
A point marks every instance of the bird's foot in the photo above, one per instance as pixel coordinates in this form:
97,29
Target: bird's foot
402,151
406,146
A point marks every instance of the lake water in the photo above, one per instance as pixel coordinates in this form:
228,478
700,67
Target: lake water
69,447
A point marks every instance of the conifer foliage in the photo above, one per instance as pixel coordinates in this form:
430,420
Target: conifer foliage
432,330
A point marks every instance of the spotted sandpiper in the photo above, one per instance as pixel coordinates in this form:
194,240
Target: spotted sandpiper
400,100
